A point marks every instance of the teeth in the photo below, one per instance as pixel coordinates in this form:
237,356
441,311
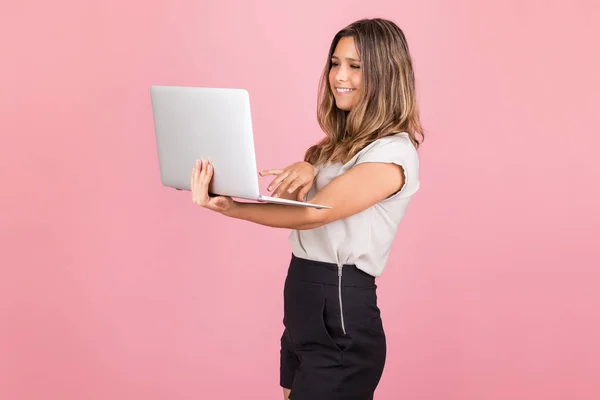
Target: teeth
343,90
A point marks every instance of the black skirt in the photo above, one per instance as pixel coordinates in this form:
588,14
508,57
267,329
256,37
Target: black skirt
333,346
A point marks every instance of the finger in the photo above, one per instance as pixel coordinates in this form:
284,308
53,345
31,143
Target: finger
304,191
206,180
270,172
194,180
209,174
295,184
198,183
205,174
284,186
275,183
201,186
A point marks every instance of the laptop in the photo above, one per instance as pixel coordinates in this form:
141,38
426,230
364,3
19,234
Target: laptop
214,124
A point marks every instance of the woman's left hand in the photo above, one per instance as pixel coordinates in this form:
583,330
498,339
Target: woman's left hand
200,180
298,176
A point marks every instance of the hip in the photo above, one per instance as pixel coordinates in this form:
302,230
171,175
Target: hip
335,304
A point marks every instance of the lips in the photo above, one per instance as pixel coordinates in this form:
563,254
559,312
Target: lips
344,90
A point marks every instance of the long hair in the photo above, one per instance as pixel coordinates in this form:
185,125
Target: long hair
388,103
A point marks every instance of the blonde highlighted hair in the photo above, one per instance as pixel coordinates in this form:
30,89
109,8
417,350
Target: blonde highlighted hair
388,103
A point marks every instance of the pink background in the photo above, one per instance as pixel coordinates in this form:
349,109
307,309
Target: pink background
113,287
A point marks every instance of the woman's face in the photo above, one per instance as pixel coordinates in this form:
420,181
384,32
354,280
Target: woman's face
345,79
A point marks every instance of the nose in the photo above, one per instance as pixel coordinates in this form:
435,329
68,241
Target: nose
341,75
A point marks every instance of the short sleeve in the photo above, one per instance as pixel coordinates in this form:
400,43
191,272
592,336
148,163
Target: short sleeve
397,149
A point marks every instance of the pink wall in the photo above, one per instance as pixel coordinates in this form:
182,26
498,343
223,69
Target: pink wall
113,287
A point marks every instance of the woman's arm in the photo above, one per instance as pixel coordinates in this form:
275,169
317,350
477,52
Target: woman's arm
356,190
275,215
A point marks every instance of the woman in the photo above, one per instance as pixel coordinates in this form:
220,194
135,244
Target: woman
366,169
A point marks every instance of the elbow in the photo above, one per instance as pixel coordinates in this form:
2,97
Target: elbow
315,219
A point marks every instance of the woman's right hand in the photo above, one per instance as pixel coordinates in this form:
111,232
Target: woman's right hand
298,176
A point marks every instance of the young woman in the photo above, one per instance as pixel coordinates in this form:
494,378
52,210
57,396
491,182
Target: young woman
367,169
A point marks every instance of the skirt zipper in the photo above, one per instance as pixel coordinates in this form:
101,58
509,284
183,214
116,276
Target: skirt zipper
340,297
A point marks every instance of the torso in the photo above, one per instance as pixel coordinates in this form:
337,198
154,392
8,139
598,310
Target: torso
363,239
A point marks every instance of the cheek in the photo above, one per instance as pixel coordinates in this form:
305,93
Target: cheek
358,81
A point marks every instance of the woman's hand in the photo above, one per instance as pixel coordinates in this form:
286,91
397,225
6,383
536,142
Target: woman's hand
299,175
200,180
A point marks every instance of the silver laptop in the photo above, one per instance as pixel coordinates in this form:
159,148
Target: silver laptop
212,124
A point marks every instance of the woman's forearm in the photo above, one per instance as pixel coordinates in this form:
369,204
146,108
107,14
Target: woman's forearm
276,215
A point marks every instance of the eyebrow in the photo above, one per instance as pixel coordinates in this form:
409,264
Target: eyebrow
347,58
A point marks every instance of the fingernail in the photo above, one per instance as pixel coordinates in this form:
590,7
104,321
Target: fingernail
269,188
275,195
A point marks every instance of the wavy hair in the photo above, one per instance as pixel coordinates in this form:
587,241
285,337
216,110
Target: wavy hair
388,103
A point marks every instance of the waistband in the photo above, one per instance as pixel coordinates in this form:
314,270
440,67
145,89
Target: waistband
328,273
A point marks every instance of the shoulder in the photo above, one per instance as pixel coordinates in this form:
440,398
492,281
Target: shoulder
397,148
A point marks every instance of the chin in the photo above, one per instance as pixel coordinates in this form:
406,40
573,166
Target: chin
343,107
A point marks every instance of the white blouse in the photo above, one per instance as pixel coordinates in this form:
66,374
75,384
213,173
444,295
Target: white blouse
363,239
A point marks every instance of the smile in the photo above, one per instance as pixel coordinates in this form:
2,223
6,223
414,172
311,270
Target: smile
344,90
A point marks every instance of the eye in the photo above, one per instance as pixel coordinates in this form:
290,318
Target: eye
334,64
355,66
